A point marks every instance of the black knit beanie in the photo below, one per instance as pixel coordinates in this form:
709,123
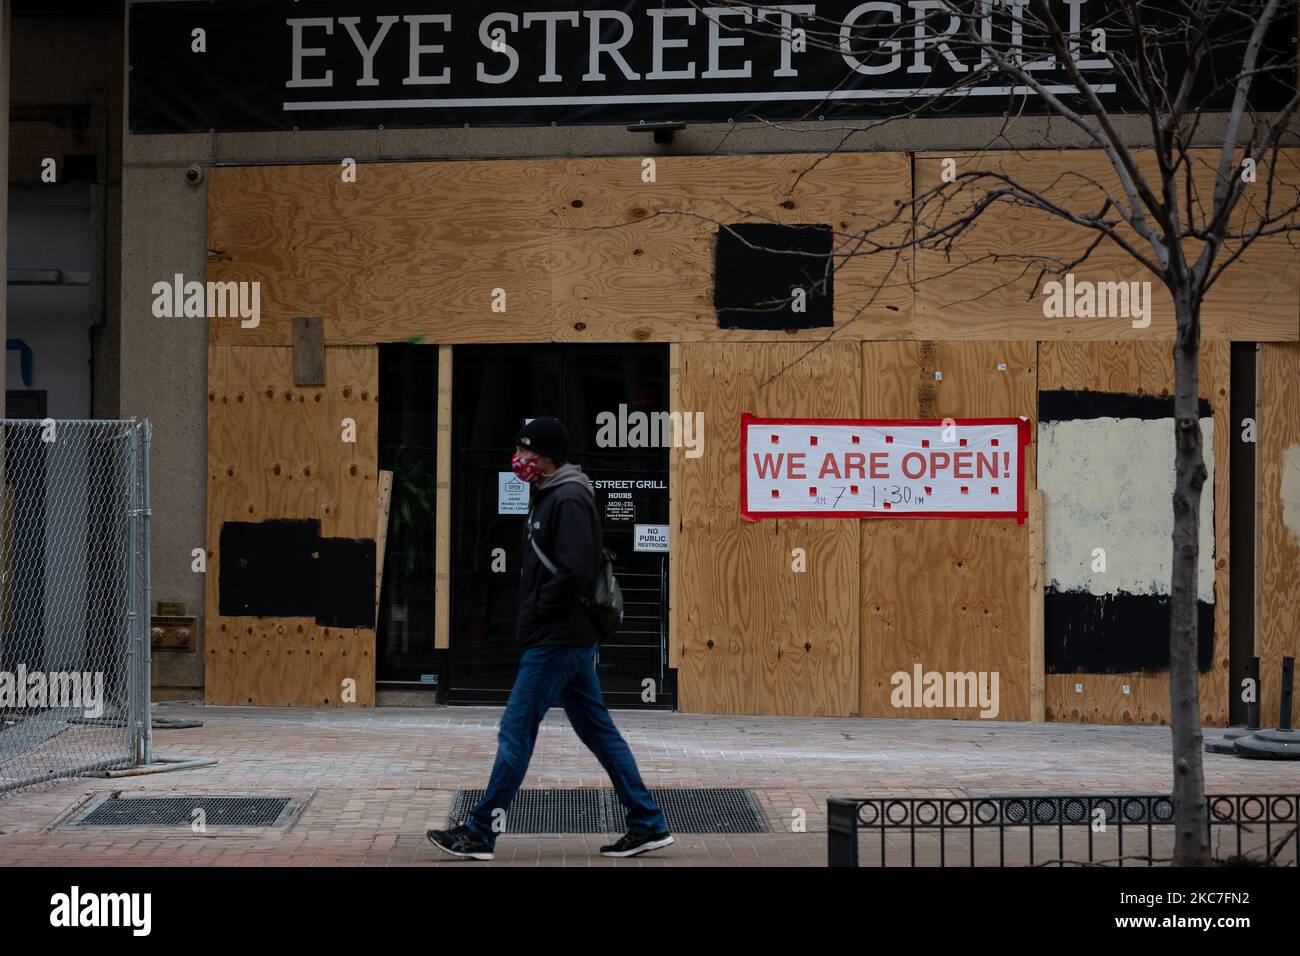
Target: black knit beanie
546,436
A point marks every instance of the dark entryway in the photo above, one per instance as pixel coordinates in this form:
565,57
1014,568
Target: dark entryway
494,388
408,438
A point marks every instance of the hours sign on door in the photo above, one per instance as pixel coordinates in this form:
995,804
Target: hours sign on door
877,468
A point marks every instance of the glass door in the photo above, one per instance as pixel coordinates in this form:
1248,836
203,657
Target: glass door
494,389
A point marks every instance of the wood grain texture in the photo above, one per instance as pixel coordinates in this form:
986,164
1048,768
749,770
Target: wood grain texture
410,251
947,594
964,294
675,457
1037,559
1278,430
308,350
754,636
634,260
385,497
1146,368
276,451
442,546
584,249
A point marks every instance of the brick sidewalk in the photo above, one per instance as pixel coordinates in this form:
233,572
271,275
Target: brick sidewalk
375,780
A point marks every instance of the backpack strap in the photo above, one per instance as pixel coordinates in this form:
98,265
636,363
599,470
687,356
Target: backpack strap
549,564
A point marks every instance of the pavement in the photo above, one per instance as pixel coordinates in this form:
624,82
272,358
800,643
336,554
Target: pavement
372,781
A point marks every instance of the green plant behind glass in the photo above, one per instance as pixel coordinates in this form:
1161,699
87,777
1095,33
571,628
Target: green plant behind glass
415,496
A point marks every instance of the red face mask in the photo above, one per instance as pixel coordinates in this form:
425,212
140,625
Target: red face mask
526,468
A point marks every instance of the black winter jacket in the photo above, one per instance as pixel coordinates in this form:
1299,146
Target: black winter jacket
566,527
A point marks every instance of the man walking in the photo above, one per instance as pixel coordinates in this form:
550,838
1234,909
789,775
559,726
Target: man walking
560,637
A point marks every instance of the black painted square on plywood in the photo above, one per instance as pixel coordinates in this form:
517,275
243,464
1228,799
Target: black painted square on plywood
347,575
269,568
757,267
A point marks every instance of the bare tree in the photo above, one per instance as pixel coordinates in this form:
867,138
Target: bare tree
1194,74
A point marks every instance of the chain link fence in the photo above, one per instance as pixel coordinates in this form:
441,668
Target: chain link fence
74,598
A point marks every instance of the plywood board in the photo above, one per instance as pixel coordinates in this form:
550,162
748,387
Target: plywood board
587,250
966,293
381,534
754,635
947,595
442,553
1278,450
278,451
1037,687
634,260
675,457
308,350
408,252
1146,369
582,250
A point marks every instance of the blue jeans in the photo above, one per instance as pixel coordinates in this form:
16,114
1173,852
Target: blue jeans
548,673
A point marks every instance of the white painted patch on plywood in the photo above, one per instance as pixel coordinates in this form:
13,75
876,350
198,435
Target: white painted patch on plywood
1291,490
1109,483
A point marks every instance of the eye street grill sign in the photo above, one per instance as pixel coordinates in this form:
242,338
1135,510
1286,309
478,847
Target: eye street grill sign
882,468
355,64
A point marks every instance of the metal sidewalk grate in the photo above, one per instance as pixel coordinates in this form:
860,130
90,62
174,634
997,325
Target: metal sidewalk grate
587,810
180,812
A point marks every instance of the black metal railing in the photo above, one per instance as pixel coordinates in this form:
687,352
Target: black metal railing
1053,830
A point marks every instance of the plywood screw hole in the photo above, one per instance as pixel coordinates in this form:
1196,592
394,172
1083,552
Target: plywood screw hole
576,204
788,204
580,326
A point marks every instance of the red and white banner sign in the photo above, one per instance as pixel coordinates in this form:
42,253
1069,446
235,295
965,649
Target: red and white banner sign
877,468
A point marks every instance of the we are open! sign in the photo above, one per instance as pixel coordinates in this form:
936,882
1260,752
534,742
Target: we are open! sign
877,468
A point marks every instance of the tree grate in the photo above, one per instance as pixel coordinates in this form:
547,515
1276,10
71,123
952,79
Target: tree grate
180,812
588,810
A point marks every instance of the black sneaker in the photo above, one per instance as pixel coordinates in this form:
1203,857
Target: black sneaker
635,842
461,841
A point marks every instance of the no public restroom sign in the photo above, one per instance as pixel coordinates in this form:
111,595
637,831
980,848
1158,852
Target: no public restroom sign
882,468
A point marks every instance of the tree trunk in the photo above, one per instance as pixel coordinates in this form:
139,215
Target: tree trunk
1192,840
